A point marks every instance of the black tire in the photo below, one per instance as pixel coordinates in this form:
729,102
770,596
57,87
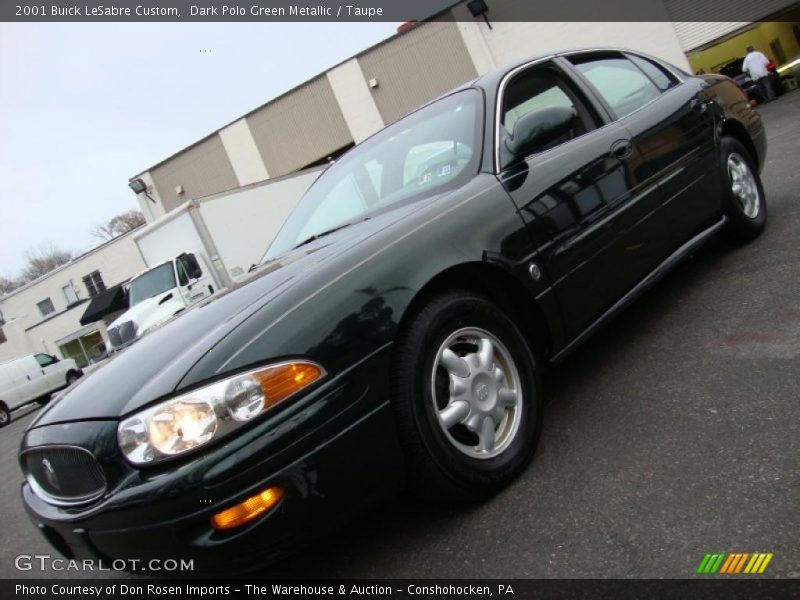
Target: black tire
437,468
5,414
72,378
741,227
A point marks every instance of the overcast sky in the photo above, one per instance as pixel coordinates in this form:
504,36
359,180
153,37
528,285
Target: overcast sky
83,107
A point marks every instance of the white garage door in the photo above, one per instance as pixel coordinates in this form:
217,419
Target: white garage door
710,19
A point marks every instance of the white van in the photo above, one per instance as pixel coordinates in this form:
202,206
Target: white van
32,377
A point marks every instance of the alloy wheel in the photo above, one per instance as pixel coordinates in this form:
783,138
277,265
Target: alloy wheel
743,185
477,393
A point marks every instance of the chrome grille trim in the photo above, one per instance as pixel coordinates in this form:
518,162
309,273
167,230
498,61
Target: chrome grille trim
96,480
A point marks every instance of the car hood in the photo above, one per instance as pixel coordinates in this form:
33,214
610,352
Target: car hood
154,366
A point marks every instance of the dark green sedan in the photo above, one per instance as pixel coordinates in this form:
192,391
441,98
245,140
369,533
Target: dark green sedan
399,325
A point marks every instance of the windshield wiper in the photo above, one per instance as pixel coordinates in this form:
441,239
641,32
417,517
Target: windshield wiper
322,234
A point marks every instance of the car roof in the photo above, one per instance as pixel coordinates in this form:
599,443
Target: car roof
491,79
18,358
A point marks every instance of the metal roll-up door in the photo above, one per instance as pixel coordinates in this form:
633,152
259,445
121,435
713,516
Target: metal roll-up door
698,23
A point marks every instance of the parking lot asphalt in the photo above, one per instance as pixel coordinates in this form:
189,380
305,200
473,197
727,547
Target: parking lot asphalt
672,433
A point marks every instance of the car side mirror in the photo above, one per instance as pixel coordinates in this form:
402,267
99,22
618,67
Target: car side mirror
538,128
53,359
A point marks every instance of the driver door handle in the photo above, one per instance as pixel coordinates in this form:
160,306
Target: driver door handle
698,105
622,149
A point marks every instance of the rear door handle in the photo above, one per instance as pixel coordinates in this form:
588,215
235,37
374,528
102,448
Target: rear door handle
622,149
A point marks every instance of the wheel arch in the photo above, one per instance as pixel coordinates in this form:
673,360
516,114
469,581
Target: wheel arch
498,285
72,372
735,129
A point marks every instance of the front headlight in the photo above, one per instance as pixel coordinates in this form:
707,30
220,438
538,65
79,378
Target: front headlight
197,417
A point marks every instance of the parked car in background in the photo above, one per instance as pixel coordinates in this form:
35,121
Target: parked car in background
399,326
733,69
33,377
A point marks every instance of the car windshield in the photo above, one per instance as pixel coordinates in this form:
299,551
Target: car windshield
152,283
432,150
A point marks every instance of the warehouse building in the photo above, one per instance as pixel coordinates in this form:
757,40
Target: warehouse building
65,312
318,120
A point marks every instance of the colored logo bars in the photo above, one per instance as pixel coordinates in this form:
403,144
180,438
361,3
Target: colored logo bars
732,563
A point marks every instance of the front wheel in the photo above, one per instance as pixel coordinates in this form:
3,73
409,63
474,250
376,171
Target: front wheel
466,396
743,203
5,414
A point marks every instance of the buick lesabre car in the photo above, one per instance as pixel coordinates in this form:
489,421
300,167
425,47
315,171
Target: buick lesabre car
398,328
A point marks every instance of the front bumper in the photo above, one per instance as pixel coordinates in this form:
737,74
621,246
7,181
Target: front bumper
338,451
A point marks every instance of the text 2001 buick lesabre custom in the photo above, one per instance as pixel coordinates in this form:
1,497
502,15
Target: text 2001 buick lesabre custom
400,322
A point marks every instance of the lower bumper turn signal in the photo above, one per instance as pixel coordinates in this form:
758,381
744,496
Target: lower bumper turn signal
246,511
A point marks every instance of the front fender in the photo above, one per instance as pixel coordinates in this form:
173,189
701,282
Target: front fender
353,306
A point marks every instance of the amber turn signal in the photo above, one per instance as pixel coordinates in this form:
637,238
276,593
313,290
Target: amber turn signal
282,381
246,511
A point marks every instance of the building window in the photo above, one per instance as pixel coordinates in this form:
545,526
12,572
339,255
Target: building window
46,307
69,294
94,284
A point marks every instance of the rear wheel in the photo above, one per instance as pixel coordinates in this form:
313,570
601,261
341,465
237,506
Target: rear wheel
71,378
744,203
466,396
5,414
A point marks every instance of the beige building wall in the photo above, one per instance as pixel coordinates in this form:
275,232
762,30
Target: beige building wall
200,170
509,41
28,331
299,128
355,100
243,153
153,207
340,107
416,67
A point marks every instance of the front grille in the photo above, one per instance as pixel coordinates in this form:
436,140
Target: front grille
64,474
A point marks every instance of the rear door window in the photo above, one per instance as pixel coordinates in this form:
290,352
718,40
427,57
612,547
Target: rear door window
658,74
622,84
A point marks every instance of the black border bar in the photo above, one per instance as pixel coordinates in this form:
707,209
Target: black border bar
383,10
539,589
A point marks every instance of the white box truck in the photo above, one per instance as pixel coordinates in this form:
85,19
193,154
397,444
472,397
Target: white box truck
202,247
